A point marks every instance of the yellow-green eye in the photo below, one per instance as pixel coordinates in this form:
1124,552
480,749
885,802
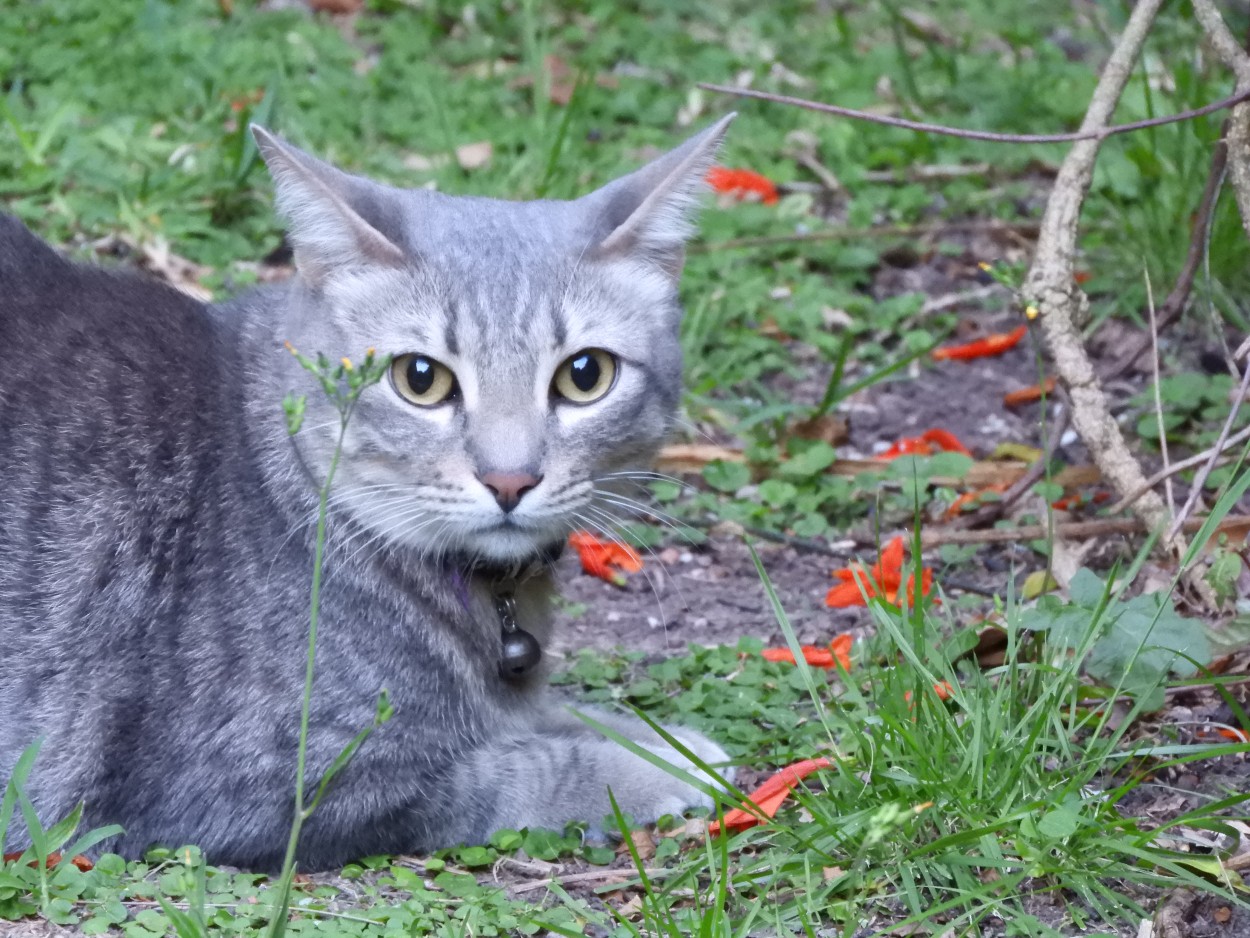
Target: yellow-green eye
422,381
585,377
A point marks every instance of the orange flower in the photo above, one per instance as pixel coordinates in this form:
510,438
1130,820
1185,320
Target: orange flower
994,344
608,560
769,797
1070,502
742,184
1237,736
974,496
837,654
929,442
943,690
884,580
1030,394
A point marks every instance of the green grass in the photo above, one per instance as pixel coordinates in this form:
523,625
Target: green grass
130,118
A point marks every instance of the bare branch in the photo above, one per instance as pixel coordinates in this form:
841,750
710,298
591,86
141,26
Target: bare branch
1096,134
1068,530
1051,285
1200,479
1216,452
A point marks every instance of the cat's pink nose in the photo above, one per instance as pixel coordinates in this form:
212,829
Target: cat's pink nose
509,487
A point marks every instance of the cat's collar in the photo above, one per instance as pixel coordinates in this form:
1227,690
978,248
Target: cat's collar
520,653
514,572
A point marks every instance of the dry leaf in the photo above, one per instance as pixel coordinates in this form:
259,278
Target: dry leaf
991,647
156,257
1067,557
474,155
1037,583
643,843
690,458
631,908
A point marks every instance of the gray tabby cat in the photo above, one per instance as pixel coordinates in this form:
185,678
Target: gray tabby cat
155,544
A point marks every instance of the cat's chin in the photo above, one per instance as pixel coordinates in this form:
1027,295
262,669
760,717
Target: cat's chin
508,545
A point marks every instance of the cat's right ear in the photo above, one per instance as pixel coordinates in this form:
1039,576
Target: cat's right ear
647,213
326,209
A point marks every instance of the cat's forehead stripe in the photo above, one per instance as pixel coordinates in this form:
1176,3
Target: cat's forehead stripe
452,313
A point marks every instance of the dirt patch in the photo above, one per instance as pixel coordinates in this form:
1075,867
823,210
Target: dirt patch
709,595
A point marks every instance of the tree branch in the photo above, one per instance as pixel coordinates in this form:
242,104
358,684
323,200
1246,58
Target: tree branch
1052,286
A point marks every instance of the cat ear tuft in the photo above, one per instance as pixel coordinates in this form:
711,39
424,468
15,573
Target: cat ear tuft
325,207
647,213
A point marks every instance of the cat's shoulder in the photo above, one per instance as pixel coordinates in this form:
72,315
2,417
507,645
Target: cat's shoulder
26,258
44,293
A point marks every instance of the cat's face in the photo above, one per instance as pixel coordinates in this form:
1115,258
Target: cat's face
536,360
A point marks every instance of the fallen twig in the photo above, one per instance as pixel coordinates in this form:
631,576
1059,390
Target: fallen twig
1195,491
992,511
940,304
1026,228
1072,530
1196,460
590,876
1084,134
806,544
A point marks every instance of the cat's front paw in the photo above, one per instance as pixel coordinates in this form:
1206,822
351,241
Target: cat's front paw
648,791
706,752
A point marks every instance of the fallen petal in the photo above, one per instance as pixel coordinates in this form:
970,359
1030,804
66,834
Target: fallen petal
768,797
994,344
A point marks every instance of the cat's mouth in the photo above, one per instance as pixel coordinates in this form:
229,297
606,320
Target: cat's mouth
512,540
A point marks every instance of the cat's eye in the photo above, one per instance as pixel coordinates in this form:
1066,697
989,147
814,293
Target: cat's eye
423,381
585,377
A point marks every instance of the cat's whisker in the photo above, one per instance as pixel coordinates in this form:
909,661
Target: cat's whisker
383,537
638,509
678,420
678,527
649,475
609,526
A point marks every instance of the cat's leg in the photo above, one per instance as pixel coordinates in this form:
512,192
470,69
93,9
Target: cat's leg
563,770
562,715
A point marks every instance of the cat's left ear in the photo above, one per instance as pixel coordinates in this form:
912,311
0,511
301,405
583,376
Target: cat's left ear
334,216
647,214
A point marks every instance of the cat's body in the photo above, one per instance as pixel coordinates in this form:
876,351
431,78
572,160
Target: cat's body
156,540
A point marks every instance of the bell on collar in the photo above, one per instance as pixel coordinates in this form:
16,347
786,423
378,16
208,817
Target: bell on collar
521,652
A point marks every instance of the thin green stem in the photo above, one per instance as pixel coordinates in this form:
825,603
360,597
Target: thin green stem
314,617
